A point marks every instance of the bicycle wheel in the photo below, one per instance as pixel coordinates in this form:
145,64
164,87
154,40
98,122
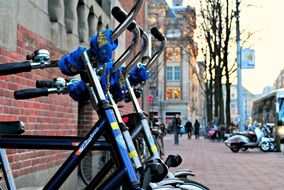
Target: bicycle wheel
159,145
86,169
86,166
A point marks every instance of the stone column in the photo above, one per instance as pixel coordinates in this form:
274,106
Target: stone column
83,29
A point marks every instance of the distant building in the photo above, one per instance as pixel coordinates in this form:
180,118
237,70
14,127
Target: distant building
266,90
248,99
279,82
174,85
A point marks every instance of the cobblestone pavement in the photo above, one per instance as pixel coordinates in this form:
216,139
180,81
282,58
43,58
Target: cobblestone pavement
220,169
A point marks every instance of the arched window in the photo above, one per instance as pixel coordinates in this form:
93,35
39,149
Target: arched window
83,31
70,14
55,10
92,22
100,24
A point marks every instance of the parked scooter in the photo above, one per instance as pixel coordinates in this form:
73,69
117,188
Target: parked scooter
254,138
216,133
267,130
213,133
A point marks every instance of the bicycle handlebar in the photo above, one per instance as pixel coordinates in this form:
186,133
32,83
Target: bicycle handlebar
157,34
31,93
59,83
43,88
140,54
26,66
130,17
121,17
45,83
13,68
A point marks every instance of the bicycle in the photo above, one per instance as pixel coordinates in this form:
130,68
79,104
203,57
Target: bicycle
125,168
140,113
96,98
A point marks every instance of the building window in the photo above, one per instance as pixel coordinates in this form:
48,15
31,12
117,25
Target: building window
153,91
173,73
176,73
173,33
169,73
173,54
173,93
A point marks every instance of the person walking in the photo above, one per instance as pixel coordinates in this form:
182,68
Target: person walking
196,129
176,127
188,129
163,128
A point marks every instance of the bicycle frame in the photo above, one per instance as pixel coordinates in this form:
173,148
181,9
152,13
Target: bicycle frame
47,142
6,169
144,123
129,142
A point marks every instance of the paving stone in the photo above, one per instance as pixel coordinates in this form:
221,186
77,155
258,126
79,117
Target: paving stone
220,169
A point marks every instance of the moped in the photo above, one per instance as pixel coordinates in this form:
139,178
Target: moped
213,133
255,138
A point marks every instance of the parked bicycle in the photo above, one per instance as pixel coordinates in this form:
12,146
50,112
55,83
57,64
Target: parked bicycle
130,172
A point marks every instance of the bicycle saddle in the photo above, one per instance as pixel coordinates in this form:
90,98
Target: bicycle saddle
11,127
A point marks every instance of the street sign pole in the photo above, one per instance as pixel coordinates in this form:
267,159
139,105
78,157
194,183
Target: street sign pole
239,70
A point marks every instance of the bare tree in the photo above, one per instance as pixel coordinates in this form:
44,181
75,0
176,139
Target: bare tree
216,27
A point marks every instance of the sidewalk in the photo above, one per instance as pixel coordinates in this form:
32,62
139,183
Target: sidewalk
220,169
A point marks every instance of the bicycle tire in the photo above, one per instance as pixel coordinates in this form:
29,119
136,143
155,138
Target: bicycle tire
159,146
85,168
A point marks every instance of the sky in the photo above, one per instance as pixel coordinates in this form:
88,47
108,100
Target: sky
265,17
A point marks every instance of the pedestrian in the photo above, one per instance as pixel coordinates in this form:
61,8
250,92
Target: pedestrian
163,133
196,129
163,128
188,129
176,128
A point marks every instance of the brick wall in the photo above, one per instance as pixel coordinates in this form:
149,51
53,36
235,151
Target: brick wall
52,115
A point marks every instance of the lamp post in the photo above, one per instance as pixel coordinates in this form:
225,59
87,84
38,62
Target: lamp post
239,69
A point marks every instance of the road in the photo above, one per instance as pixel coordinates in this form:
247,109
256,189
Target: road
219,169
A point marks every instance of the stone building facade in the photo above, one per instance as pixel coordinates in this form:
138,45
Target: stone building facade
248,103
279,81
175,87
59,26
